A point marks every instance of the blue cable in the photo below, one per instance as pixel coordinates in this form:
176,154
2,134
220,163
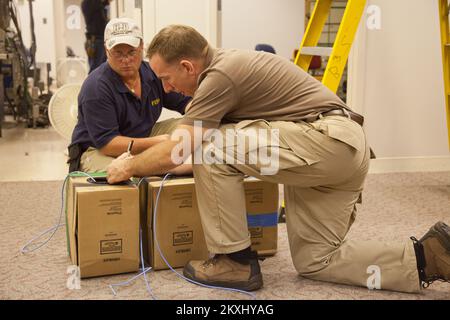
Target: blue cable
124,283
143,266
144,272
155,211
25,249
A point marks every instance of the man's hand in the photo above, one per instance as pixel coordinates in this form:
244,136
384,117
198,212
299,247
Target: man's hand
184,169
119,169
160,138
156,160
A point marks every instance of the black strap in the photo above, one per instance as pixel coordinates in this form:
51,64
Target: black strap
421,262
74,161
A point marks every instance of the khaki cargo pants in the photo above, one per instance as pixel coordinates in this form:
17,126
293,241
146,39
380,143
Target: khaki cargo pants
322,166
92,160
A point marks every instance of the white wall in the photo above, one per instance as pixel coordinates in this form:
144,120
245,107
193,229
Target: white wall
74,27
52,31
199,14
43,25
279,23
69,31
397,81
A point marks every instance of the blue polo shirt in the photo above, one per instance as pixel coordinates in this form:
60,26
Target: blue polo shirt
107,108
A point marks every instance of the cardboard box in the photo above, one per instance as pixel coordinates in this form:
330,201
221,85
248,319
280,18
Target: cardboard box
262,215
102,227
178,226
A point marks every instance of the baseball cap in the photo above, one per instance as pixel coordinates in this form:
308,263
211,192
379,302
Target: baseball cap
122,31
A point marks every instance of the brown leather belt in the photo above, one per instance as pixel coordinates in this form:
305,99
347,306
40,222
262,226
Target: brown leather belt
340,112
345,113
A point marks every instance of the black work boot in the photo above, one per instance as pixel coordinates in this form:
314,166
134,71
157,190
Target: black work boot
433,254
238,270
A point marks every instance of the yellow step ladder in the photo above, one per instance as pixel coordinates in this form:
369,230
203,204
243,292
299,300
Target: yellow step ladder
444,7
338,53
341,48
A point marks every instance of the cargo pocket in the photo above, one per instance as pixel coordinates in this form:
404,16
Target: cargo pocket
341,129
252,141
281,145
295,145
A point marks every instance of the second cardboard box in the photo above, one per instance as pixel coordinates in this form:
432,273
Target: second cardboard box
178,226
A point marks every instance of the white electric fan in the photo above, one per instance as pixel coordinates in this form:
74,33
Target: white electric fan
71,70
63,109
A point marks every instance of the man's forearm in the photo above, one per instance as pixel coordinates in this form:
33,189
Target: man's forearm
119,144
156,160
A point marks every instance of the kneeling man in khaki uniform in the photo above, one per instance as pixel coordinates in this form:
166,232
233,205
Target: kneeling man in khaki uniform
306,139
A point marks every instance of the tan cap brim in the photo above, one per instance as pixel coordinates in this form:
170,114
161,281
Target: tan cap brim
130,40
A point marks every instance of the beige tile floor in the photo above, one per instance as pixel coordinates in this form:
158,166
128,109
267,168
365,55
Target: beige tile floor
32,154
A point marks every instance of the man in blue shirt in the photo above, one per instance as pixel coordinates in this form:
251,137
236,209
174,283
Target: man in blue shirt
120,101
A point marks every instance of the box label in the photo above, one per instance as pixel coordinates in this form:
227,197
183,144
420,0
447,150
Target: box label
112,206
183,200
111,246
256,232
255,195
181,238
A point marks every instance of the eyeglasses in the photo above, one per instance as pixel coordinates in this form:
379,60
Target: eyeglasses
121,56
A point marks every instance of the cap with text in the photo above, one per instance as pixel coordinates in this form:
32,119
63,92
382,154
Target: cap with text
122,31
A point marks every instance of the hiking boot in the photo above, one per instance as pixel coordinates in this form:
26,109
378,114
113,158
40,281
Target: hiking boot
433,254
223,271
